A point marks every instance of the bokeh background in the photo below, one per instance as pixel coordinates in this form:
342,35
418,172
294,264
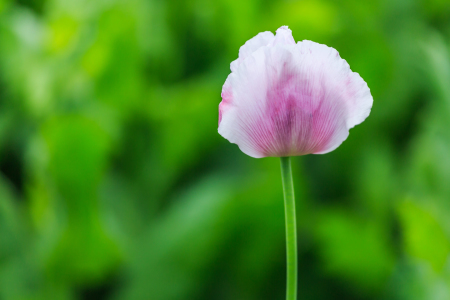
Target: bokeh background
114,183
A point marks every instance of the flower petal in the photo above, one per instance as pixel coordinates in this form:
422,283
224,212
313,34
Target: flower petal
292,99
283,37
253,44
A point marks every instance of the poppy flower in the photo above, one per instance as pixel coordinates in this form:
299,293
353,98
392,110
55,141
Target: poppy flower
286,99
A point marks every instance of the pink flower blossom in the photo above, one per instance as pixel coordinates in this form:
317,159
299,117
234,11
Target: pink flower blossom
285,99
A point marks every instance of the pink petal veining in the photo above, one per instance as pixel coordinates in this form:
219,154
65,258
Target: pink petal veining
286,99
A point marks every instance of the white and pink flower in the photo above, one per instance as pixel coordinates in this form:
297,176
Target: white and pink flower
286,99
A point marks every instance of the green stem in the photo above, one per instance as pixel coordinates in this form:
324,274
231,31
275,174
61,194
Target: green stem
291,228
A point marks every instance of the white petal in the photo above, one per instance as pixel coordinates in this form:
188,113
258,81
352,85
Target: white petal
283,37
355,91
253,44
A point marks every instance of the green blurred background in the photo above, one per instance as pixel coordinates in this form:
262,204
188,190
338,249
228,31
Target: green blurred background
114,183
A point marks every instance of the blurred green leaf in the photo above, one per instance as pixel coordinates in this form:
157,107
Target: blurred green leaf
424,238
354,249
